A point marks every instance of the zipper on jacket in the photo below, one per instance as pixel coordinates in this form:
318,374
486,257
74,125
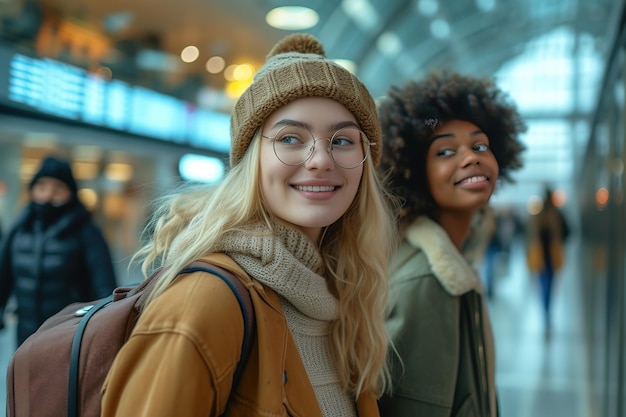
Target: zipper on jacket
482,355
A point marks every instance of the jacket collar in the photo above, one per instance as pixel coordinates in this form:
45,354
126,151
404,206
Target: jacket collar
449,266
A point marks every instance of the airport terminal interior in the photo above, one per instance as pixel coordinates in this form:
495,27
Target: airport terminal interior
137,94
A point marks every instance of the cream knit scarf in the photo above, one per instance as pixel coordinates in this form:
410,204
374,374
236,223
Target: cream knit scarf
288,262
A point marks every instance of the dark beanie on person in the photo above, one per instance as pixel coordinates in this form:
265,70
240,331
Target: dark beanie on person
297,67
56,168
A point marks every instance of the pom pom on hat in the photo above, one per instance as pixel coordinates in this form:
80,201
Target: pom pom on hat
301,43
297,67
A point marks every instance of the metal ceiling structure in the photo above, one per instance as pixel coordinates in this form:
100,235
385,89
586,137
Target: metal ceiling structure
389,40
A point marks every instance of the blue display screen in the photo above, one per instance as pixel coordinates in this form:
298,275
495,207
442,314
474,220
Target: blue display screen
58,89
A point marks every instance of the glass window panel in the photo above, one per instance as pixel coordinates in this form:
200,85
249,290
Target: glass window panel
554,84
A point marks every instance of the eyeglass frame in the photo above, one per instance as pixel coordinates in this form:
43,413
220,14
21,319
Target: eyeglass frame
364,139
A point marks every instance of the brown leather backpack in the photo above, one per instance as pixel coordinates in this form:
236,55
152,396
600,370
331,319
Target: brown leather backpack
60,369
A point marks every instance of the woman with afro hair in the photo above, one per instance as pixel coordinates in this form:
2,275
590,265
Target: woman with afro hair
448,139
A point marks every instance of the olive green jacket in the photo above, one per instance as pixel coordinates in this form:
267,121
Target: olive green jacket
441,330
182,354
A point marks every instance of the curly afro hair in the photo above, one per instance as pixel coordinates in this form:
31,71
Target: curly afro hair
410,114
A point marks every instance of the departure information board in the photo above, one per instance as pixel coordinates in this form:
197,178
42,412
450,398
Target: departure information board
54,88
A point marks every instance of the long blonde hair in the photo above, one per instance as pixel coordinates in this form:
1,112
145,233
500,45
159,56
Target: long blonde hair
355,251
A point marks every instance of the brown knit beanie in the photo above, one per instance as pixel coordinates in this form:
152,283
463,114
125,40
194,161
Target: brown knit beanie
297,67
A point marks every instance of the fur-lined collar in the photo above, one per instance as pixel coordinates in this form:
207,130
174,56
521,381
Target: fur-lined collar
450,267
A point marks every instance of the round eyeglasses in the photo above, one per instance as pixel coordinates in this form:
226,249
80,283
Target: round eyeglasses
348,147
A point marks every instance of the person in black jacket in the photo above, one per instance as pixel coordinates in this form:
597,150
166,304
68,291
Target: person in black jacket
53,254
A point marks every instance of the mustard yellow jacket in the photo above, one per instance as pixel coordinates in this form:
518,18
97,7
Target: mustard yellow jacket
182,354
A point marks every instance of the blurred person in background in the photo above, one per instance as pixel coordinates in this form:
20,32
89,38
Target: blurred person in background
547,233
506,226
448,139
480,234
53,254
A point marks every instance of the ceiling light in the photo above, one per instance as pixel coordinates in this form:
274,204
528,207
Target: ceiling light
215,64
189,54
427,7
292,18
440,28
362,13
347,64
229,72
486,5
243,72
389,44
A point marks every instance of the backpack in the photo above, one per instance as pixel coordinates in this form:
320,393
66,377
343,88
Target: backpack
60,369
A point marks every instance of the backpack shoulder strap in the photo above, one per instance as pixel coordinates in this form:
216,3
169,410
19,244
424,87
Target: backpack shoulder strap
86,312
245,304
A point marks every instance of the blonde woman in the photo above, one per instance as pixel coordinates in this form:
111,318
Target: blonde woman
303,213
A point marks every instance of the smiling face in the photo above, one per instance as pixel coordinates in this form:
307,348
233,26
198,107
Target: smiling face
461,169
318,192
